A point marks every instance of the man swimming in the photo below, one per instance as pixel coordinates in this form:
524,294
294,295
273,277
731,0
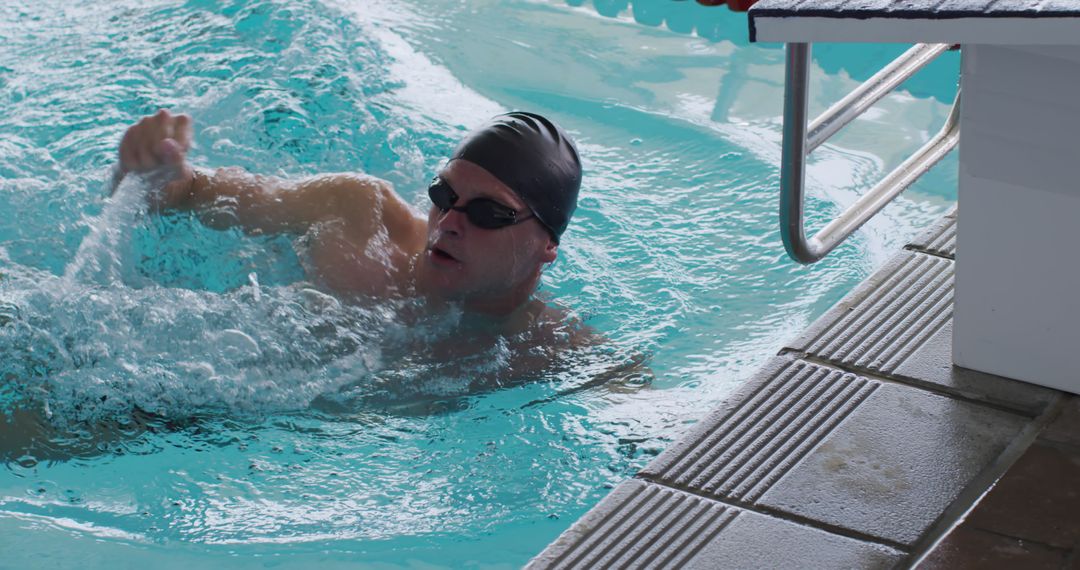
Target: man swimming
499,208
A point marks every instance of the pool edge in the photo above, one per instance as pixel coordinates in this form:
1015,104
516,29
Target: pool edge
858,445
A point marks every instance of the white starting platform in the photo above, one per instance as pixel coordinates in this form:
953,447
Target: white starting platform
1017,305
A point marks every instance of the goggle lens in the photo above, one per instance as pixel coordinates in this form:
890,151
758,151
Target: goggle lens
481,212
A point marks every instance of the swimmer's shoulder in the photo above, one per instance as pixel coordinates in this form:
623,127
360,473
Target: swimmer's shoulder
564,327
370,202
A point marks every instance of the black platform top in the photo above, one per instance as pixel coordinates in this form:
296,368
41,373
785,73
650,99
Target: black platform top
918,8
959,21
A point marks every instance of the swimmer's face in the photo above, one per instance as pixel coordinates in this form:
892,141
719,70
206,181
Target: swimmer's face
466,262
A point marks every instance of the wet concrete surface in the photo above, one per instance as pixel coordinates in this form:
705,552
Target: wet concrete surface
1031,517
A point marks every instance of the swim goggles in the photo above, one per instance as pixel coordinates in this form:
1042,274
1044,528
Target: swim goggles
482,212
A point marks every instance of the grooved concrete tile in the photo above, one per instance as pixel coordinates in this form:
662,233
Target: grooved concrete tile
910,300
892,467
645,525
758,435
898,323
940,239
638,525
882,460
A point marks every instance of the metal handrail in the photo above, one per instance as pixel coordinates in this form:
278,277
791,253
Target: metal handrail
797,144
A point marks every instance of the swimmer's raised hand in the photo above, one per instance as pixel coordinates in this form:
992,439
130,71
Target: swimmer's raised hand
157,146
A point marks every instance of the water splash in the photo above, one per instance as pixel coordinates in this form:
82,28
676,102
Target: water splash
99,258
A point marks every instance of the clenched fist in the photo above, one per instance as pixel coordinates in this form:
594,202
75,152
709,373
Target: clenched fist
157,147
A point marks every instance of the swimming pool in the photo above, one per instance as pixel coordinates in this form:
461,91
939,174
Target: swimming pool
199,404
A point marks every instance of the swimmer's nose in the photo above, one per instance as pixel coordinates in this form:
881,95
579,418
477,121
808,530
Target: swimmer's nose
452,222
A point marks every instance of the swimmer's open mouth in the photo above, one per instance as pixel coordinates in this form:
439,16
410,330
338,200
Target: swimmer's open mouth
442,254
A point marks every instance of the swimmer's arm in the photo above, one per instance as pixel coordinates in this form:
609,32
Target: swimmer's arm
157,146
230,197
627,375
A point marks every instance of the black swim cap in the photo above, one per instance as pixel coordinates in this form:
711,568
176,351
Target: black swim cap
535,158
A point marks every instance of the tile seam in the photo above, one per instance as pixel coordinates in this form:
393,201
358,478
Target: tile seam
955,512
1065,549
935,253
909,382
785,516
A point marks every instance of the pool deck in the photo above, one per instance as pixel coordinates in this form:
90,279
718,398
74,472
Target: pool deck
858,446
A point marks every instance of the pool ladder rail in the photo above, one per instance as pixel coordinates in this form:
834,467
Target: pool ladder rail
800,140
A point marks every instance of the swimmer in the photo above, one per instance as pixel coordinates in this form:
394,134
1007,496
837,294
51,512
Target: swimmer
499,207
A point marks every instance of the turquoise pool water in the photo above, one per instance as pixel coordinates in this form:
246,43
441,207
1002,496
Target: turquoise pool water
186,399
